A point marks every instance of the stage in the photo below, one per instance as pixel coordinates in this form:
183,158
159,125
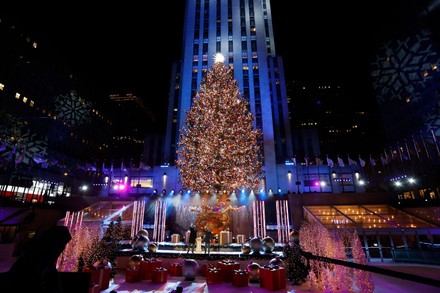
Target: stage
171,252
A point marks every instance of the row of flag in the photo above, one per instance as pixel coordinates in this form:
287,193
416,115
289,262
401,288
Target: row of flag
20,154
339,161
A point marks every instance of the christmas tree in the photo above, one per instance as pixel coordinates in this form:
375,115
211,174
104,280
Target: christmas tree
218,148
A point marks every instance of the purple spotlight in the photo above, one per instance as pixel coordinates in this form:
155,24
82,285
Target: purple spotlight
316,183
121,187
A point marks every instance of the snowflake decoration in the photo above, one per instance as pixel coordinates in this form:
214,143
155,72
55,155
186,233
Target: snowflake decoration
403,68
72,109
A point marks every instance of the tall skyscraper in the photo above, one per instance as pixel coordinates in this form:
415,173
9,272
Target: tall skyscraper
242,31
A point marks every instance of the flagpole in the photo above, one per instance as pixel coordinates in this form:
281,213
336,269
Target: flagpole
319,175
435,142
308,175
373,170
401,159
409,158
424,145
297,178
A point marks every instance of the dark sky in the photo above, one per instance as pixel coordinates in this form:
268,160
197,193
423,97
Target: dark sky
124,48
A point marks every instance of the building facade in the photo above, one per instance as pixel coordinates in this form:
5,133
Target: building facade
242,31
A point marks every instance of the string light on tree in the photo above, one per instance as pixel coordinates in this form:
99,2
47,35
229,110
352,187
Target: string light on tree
218,148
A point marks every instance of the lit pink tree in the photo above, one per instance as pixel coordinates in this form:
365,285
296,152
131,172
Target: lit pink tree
82,237
316,239
362,279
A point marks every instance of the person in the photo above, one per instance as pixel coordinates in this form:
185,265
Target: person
35,270
207,239
192,238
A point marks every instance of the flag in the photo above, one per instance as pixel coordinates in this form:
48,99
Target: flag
372,161
330,162
350,162
90,167
3,147
293,159
383,160
20,158
318,161
14,150
340,162
386,157
361,162
38,158
104,170
144,166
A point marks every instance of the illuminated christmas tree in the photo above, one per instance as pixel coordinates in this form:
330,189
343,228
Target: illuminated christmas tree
218,148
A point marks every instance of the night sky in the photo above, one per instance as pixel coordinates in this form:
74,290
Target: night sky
122,49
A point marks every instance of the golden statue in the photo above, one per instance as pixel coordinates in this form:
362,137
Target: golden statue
215,218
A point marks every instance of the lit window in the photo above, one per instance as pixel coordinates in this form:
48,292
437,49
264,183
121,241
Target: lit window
2,86
24,100
425,73
175,109
408,100
31,103
34,45
433,67
17,95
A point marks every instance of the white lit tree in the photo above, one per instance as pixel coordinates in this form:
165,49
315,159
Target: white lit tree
218,147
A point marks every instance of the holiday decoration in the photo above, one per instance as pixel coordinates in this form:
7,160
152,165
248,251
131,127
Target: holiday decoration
215,218
219,149
190,268
254,272
152,247
256,245
135,261
362,279
277,261
268,245
245,248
